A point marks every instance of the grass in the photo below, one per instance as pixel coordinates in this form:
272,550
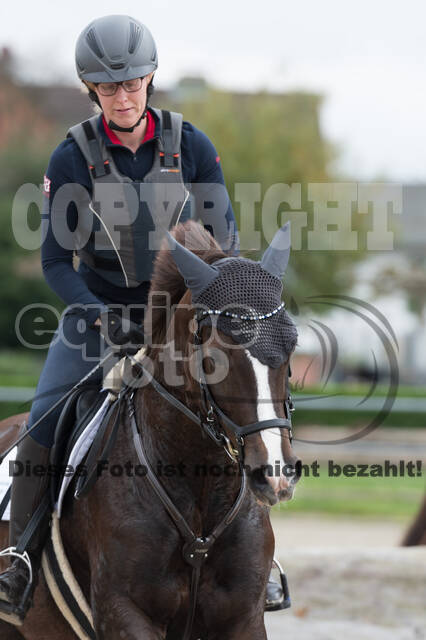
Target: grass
355,389
20,368
356,419
393,497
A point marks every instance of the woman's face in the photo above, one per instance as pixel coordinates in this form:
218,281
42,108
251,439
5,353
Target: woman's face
125,108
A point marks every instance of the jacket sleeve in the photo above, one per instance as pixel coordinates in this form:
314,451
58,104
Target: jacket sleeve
211,199
56,254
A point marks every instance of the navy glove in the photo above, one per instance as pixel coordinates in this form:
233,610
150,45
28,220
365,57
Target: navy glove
128,339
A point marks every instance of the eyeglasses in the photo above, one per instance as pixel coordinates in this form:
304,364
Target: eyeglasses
111,88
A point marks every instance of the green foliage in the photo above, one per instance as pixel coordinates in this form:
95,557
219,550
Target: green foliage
25,291
263,137
271,139
21,283
20,164
8,409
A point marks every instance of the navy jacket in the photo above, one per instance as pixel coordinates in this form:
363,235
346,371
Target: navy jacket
200,164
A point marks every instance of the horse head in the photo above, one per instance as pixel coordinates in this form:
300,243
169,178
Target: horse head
241,340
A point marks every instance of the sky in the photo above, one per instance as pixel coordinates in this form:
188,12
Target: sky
367,58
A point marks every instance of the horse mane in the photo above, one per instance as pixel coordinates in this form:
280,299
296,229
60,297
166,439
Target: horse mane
167,278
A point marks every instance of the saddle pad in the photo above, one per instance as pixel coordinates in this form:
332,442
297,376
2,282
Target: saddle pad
63,586
6,480
80,449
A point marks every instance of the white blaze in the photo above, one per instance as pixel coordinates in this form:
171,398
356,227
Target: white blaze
266,411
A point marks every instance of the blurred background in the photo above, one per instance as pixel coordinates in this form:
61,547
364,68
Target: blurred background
302,93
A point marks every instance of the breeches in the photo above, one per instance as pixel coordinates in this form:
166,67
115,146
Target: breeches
75,349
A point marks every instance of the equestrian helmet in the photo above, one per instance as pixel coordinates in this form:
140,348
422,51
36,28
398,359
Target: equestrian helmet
115,48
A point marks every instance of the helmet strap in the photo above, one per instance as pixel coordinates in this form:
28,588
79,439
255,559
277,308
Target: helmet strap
116,127
93,96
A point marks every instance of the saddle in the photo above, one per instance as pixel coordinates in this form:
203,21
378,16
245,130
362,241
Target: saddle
81,407
78,411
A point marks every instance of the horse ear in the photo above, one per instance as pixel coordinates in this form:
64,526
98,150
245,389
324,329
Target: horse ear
275,259
196,273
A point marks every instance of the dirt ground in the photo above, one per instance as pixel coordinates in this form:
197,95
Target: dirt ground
349,581
302,531
394,444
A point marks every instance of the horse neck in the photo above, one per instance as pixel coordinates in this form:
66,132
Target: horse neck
193,469
169,433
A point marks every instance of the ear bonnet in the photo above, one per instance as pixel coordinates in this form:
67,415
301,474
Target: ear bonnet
242,298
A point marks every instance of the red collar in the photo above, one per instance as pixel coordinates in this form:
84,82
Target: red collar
149,132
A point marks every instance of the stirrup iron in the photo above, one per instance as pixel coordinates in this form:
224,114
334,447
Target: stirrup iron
286,601
15,614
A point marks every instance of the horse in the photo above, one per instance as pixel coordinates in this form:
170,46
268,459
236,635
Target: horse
128,546
416,532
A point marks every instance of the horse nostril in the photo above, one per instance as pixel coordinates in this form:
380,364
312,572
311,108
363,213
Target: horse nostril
298,471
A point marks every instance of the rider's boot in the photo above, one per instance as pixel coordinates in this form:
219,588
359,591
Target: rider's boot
277,595
274,596
28,490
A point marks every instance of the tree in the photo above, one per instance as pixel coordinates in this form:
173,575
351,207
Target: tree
268,139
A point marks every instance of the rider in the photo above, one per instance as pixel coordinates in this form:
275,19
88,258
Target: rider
129,145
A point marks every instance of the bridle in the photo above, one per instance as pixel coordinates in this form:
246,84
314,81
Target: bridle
214,418
211,419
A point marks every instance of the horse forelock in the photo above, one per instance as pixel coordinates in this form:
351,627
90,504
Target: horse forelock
167,278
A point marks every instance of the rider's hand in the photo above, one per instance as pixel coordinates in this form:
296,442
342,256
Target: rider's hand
115,334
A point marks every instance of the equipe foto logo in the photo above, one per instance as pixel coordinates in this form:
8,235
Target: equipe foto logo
349,342
351,325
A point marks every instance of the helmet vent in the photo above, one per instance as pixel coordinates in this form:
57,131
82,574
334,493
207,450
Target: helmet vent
93,43
135,35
